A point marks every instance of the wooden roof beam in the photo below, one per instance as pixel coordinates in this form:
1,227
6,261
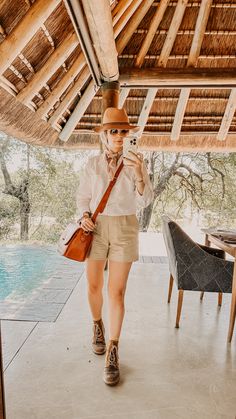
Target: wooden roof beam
200,28
172,32
123,96
78,111
157,18
179,114
119,26
24,31
73,92
119,9
173,77
98,15
62,85
132,25
143,117
130,28
70,75
52,64
228,116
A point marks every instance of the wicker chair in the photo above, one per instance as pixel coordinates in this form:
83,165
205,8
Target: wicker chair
194,267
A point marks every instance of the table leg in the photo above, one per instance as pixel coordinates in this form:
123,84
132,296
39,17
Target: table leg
233,306
207,242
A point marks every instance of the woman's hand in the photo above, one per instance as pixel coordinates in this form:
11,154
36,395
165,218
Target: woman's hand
87,224
136,163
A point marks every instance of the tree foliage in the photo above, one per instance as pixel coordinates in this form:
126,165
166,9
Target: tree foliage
183,183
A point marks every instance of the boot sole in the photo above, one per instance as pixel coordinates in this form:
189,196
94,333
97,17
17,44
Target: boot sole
111,383
99,353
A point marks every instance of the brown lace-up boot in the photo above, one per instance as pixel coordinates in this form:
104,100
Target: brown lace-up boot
98,344
111,375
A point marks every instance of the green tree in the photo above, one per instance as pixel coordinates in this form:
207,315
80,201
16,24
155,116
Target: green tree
19,191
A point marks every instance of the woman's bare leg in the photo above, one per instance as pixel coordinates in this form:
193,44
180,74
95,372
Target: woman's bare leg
117,280
95,280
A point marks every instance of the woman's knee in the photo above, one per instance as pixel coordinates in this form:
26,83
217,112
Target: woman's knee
95,288
116,294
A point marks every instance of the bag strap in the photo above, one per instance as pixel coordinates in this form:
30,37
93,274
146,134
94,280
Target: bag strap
102,203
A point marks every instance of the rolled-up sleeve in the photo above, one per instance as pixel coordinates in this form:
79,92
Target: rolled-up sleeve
84,192
148,195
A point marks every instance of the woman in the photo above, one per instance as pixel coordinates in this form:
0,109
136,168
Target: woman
115,231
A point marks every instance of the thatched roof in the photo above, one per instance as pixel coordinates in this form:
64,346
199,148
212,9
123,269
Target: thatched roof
176,66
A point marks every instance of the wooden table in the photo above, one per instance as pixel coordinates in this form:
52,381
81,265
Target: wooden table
231,250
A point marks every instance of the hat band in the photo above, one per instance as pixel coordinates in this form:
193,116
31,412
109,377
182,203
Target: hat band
118,124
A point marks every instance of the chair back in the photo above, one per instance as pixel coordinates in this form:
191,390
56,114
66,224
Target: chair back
168,239
179,246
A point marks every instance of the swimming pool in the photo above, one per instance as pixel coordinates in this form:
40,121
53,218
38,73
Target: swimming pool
35,282
24,268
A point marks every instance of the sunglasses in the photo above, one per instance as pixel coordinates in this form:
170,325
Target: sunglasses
115,131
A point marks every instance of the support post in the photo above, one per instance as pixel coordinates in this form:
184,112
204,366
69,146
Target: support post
110,95
110,99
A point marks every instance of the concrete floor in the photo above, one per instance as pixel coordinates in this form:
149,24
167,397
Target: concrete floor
167,373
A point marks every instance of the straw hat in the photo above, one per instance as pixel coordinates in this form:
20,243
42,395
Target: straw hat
115,118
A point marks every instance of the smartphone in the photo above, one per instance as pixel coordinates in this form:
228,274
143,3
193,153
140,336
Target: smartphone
129,144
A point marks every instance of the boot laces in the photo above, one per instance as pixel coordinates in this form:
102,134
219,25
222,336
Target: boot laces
98,333
112,358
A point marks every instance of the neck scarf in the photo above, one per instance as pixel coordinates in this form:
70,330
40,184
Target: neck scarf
113,158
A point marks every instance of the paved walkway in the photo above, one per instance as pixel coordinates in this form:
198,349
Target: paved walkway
167,373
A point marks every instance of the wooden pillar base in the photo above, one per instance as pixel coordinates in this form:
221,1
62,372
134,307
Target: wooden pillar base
110,95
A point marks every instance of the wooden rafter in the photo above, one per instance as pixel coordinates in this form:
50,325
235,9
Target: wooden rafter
62,86
132,25
98,15
24,31
5,81
126,16
8,88
151,94
172,32
53,63
75,90
200,28
179,114
17,73
228,116
78,111
2,32
48,36
123,95
26,62
119,9
157,18
188,77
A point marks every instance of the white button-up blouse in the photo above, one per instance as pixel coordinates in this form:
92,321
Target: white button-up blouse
124,198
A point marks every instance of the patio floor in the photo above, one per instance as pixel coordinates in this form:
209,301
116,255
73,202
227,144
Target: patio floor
51,371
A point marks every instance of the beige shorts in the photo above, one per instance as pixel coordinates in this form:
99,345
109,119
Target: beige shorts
115,238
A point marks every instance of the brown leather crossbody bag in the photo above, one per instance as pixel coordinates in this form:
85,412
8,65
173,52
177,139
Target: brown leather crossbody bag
75,243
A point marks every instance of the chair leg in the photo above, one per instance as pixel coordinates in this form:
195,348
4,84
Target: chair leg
180,301
232,317
201,296
220,299
170,287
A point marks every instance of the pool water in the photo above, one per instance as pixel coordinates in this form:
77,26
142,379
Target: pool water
24,268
